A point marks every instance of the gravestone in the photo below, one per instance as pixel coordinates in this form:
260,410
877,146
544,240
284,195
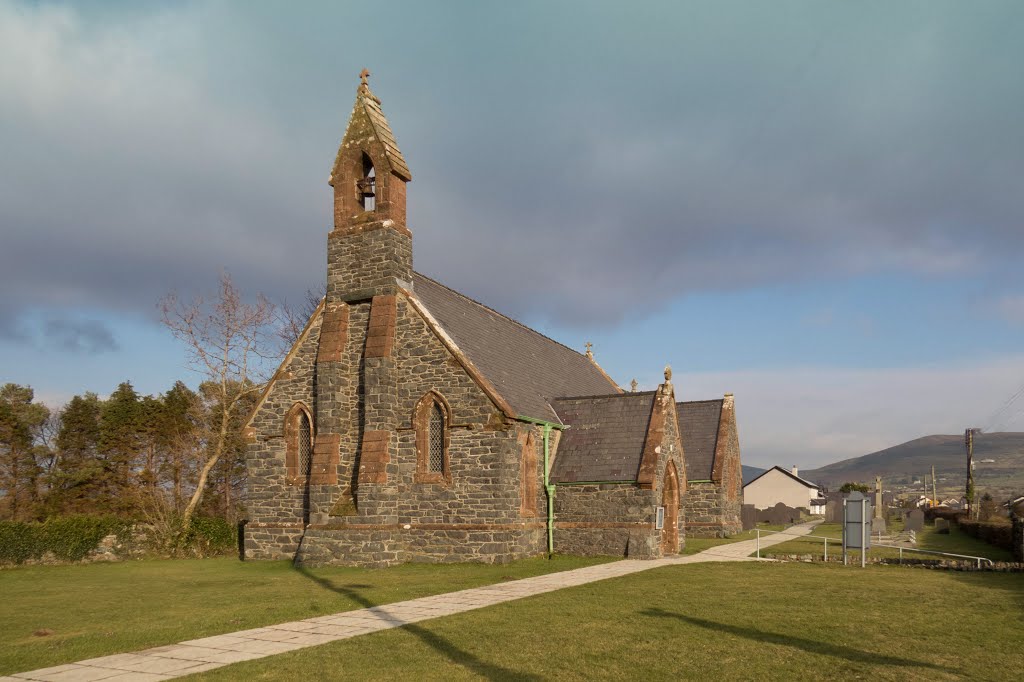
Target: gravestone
942,526
915,521
834,512
748,516
779,515
878,525
878,500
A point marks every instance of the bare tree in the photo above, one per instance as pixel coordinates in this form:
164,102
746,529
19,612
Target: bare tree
230,343
293,319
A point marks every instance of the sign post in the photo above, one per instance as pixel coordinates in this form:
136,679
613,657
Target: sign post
856,525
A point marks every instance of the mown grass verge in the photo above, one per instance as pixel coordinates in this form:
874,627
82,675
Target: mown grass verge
750,621
83,611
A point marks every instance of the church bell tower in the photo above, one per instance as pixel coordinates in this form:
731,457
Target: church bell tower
369,251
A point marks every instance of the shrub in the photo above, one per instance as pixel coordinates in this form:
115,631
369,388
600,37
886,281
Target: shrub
19,542
994,533
211,535
69,538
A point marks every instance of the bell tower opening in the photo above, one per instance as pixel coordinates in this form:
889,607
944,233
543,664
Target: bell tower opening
366,186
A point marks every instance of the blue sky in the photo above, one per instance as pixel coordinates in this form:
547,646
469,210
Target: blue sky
815,206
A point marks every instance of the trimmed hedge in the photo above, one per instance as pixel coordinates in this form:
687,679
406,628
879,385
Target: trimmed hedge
995,534
69,538
212,535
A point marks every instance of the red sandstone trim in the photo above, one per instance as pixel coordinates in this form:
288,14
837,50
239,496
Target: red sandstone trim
380,335
374,458
333,333
326,455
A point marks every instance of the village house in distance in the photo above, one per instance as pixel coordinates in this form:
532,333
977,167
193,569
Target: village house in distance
412,423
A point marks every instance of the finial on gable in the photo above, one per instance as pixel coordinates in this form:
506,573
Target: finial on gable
668,374
364,77
590,352
632,386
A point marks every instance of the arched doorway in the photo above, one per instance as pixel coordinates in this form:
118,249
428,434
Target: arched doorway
670,500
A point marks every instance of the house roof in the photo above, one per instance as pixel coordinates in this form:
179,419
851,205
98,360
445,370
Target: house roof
605,441
698,426
799,480
526,368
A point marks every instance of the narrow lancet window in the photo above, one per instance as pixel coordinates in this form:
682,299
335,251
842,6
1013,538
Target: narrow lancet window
436,440
305,445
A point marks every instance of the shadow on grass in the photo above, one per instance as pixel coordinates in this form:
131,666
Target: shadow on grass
431,639
808,645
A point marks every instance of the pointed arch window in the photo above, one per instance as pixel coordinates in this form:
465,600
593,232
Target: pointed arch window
298,439
432,419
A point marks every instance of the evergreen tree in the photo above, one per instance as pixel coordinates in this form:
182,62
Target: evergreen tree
120,445
76,483
21,424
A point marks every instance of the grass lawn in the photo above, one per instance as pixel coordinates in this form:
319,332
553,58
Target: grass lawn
695,545
99,609
752,621
955,542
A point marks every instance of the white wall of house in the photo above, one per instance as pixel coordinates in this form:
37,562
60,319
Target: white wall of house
774,487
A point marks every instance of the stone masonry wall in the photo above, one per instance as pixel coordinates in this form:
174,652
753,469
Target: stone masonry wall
475,517
275,508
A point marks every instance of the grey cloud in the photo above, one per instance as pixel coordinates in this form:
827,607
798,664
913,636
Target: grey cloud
79,336
588,166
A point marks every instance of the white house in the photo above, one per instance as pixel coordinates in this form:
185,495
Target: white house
778,485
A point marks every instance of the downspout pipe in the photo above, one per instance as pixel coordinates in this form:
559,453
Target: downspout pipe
549,487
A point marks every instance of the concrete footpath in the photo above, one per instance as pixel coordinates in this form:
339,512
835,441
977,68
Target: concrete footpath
207,653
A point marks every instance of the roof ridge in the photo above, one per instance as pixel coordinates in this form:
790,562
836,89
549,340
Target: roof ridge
606,395
694,402
499,314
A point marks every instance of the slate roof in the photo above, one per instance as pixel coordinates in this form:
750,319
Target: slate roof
380,125
605,441
525,367
698,426
801,481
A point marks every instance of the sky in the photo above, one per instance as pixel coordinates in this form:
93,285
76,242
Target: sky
817,206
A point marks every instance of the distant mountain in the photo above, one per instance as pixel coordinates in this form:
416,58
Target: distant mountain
903,464
750,473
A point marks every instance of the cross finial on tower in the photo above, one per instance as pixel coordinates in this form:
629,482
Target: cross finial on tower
590,352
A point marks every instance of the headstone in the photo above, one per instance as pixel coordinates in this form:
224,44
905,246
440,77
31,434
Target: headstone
878,525
915,521
942,526
748,516
878,498
834,512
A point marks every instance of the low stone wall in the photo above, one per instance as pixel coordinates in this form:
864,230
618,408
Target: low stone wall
380,547
949,565
1017,525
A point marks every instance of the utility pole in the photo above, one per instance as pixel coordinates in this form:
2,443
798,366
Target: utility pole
935,495
969,491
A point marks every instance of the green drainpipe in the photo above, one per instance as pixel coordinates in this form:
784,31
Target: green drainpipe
549,487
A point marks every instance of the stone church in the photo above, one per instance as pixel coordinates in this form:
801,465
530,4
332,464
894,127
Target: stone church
411,423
